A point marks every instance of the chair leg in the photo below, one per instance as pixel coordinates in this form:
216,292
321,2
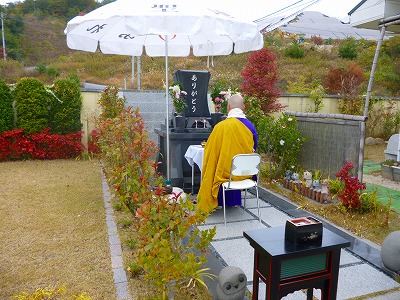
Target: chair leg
258,205
245,198
223,203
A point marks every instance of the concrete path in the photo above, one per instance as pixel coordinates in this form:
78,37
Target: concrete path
119,274
361,271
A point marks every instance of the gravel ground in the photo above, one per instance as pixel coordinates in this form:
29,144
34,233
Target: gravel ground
379,180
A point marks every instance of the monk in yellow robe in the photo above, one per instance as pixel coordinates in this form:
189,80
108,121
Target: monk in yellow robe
234,135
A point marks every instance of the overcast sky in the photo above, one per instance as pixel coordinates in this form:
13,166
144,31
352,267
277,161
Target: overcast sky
254,9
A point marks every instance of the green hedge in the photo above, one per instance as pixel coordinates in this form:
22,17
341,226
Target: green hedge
6,108
65,111
32,105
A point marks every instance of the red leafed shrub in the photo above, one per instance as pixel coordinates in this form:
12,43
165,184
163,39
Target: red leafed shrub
344,81
350,195
260,80
93,146
317,40
16,145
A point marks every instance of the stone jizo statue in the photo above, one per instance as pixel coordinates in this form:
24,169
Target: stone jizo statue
232,283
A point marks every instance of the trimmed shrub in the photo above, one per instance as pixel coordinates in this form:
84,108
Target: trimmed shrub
65,111
6,108
295,51
16,145
347,49
31,102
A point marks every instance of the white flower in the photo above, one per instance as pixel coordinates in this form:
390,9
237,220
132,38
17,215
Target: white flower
290,119
282,142
176,91
226,94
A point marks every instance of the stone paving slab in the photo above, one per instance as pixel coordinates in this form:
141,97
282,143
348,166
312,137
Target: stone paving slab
347,258
233,214
272,217
361,280
234,230
357,276
238,253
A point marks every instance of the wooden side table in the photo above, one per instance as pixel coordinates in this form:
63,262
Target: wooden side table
286,268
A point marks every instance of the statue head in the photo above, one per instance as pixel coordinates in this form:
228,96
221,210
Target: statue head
307,175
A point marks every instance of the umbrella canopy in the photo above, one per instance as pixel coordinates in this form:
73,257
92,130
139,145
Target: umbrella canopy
124,28
127,28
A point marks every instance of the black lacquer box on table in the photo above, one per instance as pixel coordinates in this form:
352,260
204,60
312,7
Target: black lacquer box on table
304,231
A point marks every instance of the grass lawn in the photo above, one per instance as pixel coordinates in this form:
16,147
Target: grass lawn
53,228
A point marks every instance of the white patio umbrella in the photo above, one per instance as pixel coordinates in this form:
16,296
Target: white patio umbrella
126,28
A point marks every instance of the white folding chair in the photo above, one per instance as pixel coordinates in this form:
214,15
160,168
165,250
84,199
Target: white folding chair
243,165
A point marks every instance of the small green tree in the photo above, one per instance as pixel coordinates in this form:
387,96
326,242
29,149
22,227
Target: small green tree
316,95
65,111
171,249
295,51
32,104
110,102
348,48
6,108
281,141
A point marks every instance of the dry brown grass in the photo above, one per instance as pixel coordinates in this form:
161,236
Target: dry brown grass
53,228
375,152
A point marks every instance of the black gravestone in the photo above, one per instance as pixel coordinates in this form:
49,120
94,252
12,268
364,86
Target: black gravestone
195,83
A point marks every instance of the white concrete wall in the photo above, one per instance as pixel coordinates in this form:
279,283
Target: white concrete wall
152,108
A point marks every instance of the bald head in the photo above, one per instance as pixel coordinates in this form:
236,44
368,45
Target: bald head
236,101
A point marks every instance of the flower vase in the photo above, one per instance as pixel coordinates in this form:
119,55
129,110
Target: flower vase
179,123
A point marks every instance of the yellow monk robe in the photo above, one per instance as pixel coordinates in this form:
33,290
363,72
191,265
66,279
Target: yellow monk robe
228,138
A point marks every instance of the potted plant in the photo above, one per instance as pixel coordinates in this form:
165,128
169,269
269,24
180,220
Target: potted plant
220,94
178,96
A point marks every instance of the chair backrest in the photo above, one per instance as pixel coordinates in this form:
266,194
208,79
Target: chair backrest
246,164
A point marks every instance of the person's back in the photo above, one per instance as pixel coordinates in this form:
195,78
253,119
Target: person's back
235,135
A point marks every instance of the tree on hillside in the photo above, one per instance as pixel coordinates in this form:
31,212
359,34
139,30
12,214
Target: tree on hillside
346,82
260,80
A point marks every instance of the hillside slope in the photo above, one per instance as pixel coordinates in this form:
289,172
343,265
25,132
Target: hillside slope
44,44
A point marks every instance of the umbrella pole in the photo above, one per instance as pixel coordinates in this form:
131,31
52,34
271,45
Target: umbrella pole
167,102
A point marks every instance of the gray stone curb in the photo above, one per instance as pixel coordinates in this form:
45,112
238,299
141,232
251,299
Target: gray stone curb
119,275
